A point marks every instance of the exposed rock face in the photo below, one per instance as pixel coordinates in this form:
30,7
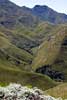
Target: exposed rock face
18,92
46,70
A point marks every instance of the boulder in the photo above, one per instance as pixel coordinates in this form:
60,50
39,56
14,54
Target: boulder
18,92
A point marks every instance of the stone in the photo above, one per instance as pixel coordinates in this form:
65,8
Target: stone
18,92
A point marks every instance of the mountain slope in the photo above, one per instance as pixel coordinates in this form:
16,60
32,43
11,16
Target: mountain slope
12,55
33,48
12,15
25,78
50,51
58,91
47,14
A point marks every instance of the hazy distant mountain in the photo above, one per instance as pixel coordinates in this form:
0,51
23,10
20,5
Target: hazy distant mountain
11,14
47,14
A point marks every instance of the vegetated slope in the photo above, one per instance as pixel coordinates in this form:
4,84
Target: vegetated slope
25,78
12,15
13,62
19,23
25,23
25,36
58,91
50,53
30,38
10,55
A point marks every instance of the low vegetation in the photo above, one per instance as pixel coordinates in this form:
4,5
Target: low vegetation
59,91
33,51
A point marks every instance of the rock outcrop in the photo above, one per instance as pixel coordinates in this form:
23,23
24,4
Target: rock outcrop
18,92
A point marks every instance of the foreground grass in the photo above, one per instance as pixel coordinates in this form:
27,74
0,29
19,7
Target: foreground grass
59,91
25,78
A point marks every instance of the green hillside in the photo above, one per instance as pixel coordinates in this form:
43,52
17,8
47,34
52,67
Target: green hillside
8,75
13,61
11,55
33,51
58,91
50,51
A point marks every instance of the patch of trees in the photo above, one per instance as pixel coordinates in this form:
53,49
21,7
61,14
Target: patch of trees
47,70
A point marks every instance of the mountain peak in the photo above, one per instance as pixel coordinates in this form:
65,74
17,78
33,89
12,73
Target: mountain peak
40,7
3,1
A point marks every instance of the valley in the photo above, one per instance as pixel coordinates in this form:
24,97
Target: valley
33,47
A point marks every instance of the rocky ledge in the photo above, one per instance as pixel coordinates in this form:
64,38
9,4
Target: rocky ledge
18,92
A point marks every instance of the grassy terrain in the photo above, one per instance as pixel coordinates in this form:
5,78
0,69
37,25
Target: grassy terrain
11,71
28,43
58,91
51,50
25,78
14,60
11,54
